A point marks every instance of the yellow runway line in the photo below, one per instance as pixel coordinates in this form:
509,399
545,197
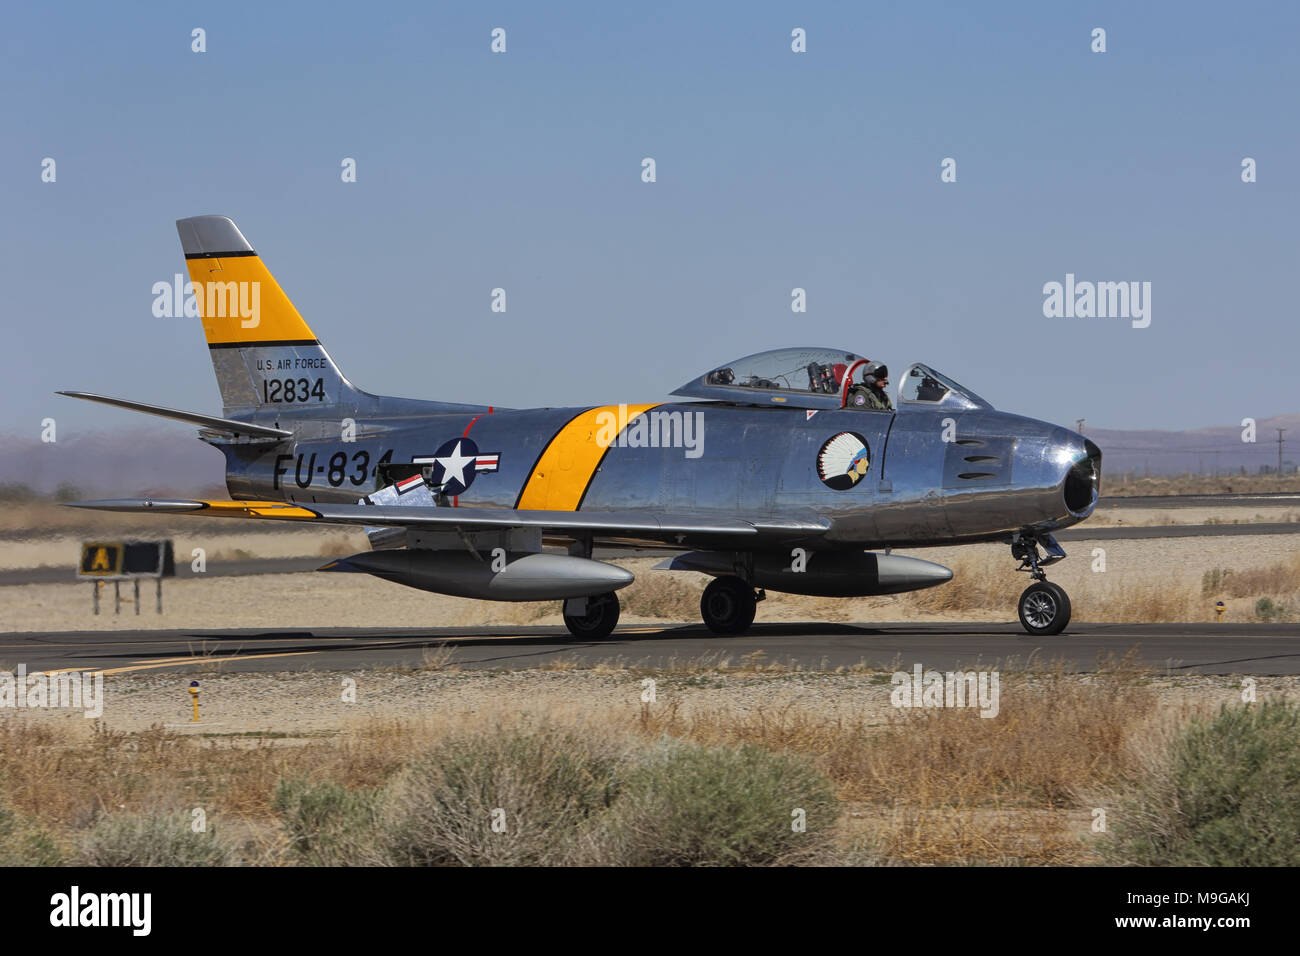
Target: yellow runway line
176,662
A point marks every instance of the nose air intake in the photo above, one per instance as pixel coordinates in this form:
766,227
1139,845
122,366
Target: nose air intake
1083,482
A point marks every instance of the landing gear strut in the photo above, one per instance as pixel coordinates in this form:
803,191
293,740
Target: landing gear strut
1044,607
597,621
728,605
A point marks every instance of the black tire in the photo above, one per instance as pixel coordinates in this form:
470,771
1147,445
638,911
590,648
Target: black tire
1044,609
728,606
598,623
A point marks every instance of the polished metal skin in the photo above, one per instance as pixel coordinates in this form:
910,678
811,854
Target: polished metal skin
994,474
825,574
757,463
522,577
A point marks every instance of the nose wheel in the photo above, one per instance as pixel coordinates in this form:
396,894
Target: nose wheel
1044,607
728,605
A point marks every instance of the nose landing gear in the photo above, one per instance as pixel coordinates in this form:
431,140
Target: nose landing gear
1044,607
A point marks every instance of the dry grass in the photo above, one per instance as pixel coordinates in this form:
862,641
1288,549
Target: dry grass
922,786
1280,579
1054,733
979,584
232,554
67,780
336,546
1121,486
470,614
951,835
438,658
662,595
947,786
975,584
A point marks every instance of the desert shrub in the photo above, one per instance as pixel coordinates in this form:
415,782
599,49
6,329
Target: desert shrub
16,491
1054,734
1213,579
541,787
67,491
1282,577
150,839
1266,609
689,805
24,844
661,596
327,824
1228,795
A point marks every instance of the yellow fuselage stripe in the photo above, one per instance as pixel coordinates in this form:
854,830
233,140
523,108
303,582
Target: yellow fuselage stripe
561,476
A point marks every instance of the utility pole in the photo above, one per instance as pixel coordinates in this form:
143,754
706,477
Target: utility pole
1279,449
1079,423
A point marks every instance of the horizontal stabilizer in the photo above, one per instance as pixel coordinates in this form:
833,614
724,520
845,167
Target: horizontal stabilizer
228,425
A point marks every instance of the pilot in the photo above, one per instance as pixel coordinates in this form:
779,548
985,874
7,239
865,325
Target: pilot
871,393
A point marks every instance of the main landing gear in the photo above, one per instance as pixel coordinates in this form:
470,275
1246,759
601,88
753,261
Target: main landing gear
593,618
1044,607
728,605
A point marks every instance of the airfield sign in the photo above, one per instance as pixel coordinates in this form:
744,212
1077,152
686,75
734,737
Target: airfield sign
119,561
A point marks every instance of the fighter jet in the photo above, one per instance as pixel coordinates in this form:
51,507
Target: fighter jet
789,470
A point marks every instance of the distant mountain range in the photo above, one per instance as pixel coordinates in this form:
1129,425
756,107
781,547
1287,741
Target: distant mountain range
168,459
1208,451
165,459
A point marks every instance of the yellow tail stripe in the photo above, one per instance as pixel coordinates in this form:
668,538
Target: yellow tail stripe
272,317
561,475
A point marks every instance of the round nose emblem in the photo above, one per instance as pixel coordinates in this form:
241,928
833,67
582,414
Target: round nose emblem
843,460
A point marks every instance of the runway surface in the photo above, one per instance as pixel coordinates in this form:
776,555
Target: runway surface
1254,649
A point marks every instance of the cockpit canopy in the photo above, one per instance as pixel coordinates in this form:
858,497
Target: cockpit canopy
922,385
801,377
817,378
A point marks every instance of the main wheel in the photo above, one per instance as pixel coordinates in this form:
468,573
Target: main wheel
598,621
728,606
1044,608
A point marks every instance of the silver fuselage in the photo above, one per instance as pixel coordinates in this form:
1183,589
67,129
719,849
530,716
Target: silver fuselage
937,476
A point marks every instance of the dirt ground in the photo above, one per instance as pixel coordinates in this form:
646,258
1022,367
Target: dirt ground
311,704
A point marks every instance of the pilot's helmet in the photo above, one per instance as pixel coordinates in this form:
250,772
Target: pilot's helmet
875,372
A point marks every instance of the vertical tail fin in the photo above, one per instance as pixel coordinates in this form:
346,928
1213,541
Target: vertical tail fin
264,354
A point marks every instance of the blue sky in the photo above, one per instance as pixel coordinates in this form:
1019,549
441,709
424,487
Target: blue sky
775,170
